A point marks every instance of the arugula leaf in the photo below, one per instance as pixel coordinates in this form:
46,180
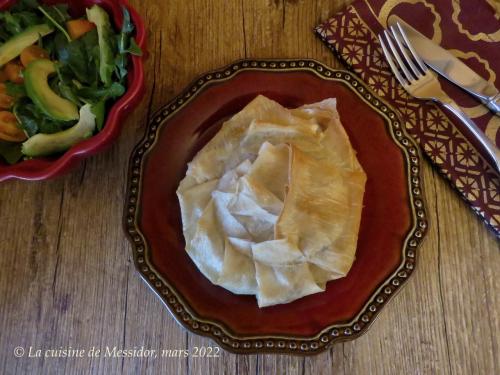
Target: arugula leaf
127,29
99,111
28,19
12,23
65,86
71,55
10,151
90,42
121,66
57,15
15,90
68,93
15,20
48,126
79,55
133,48
33,121
48,44
25,5
24,114
93,95
60,12
127,25
126,45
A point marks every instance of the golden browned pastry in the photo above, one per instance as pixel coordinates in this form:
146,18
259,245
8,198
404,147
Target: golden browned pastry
271,206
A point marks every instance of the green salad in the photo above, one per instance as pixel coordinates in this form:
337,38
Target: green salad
58,75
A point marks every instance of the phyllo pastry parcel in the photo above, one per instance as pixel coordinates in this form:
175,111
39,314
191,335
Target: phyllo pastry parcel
272,205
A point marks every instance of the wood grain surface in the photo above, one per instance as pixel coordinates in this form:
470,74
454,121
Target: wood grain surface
67,278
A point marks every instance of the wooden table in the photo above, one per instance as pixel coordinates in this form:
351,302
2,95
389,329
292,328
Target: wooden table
66,274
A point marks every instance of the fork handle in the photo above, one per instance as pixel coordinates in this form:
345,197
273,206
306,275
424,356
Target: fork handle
488,145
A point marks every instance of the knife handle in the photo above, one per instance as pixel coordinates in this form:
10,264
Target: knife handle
493,103
488,145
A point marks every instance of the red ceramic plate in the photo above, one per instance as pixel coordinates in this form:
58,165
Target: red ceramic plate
392,226
44,168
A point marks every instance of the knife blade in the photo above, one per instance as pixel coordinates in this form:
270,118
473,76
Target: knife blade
450,67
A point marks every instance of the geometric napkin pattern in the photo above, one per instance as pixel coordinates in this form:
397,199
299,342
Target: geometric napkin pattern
352,35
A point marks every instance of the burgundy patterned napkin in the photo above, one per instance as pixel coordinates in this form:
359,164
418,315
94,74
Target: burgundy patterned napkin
470,30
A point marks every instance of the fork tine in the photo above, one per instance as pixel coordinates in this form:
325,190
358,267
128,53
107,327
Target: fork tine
405,54
412,50
391,62
401,63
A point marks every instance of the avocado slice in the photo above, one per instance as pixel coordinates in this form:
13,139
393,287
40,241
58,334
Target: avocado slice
15,45
38,89
100,18
47,144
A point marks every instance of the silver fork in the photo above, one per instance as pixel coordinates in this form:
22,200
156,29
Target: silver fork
422,83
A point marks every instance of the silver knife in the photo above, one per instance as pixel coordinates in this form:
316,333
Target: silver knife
450,67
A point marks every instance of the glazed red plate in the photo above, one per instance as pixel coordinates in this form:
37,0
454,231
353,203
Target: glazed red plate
49,167
392,226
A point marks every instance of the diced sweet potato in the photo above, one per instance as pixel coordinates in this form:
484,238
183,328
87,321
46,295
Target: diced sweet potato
32,53
6,101
76,28
13,72
9,131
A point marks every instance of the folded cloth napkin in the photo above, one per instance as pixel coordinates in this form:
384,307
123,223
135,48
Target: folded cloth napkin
470,30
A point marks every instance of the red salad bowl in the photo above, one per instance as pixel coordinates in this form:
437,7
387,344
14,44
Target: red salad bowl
48,167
